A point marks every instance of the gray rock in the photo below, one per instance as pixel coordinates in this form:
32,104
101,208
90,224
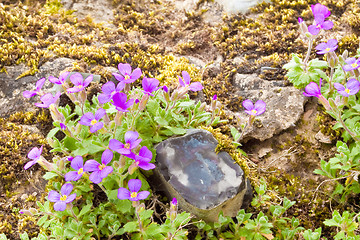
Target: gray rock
100,10
11,89
203,182
284,105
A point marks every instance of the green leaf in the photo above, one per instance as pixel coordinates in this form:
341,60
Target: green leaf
131,227
52,132
70,143
85,210
42,220
152,106
50,175
316,63
176,131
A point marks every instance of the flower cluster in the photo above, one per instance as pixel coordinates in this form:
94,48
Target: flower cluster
121,154
352,86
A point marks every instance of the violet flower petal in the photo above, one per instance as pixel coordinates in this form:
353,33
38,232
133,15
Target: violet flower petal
60,206
134,185
77,162
248,105
97,126
54,196
66,189
100,113
95,177
72,176
106,171
123,193
142,195
195,86
91,165
107,156
70,198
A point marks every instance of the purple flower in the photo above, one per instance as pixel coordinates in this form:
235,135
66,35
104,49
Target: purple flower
150,85
88,119
61,80
77,164
120,102
48,99
352,64
131,142
109,90
62,199
39,84
35,155
325,47
314,90
134,194
62,126
319,9
185,82
79,82
165,88
300,20
99,171
174,202
352,87
256,110
320,13
126,76
214,97
143,159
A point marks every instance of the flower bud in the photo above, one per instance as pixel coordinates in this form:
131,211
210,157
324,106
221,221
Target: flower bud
118,118
303,28
82,97
332,59
143,102
202,107
56,115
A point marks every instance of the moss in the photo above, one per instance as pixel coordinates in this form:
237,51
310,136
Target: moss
15,142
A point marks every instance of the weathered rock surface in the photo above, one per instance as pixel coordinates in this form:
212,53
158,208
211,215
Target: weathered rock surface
100,10
203,182
284,105
11,89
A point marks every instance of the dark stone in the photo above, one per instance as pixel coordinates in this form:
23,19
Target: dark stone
204,182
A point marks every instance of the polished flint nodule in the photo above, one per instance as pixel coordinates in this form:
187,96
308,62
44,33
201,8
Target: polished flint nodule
203,182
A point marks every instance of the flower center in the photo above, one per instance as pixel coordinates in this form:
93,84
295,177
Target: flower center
101,167
133,195
93,121
127,145
347,90
327,49
354,65
63,198
127,77
254,111
79,86
80,171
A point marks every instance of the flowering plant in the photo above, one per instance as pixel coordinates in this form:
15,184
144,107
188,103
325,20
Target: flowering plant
338,91
106,151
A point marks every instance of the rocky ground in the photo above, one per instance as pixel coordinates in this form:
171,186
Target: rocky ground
235,55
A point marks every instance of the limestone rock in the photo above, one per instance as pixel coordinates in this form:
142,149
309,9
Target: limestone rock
11,89
284,105
203,182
